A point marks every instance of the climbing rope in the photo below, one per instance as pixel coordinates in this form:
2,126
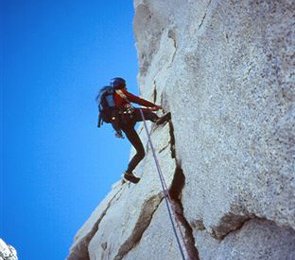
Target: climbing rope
167,196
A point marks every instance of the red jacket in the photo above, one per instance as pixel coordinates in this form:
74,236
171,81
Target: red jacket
122,102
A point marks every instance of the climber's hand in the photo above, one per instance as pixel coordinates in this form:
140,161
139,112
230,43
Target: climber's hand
156,108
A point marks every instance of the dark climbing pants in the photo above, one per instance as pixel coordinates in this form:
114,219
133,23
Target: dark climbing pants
127,125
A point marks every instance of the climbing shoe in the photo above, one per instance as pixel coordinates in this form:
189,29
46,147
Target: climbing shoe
163,119
131,177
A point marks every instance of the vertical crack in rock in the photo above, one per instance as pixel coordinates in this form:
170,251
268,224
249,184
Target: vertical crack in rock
175,191
172,140
147,211
175,194
155,92
204,16
80,250
172,35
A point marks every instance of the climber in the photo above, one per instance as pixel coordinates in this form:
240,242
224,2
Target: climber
124,117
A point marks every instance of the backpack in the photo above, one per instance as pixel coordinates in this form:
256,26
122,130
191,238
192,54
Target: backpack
106,104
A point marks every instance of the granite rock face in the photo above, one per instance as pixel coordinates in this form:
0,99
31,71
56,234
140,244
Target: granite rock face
225,70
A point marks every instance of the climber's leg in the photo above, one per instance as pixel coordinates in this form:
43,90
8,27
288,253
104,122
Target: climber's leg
134,139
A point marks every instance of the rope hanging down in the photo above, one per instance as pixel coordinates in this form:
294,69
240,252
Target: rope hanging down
167,196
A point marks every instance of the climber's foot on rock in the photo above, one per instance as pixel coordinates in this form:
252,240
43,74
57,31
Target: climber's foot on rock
130,177
163,119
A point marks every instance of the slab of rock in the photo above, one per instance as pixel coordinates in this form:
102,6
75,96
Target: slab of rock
158,241
227,79
7,252
118,224
257,239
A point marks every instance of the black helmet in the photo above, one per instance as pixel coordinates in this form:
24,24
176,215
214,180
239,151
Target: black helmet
118,83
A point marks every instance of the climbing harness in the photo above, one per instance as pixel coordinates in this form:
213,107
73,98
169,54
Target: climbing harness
168,200
129,109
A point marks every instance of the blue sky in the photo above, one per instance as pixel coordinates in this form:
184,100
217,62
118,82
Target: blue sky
56,165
